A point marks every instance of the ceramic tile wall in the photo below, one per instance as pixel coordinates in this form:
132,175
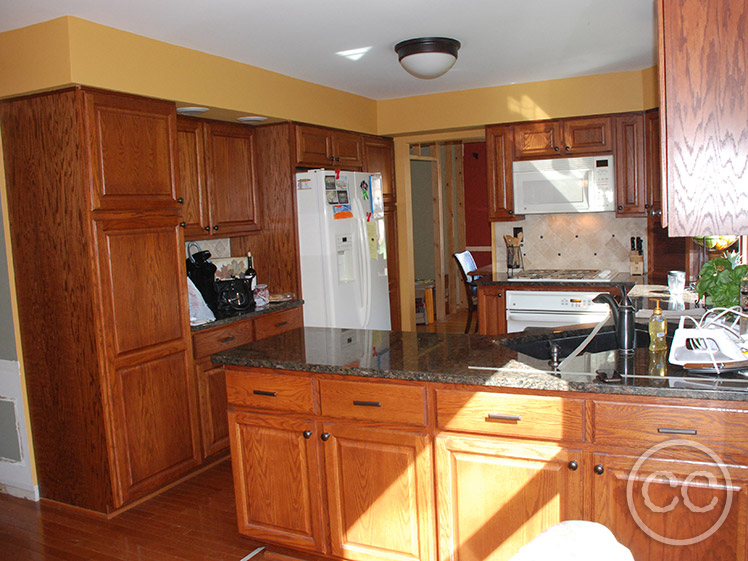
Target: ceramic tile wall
220,247
573,241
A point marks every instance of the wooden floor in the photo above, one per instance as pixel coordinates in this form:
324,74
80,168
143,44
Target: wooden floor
453,323
194,521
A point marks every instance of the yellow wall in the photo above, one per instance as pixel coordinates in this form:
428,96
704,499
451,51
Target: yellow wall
586,95
70,50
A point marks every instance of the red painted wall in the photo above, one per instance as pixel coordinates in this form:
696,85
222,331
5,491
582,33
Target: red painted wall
477,227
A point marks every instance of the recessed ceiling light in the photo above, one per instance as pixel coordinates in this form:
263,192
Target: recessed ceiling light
354,54
191,110
251,119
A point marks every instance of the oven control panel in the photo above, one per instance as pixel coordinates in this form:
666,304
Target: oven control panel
553,301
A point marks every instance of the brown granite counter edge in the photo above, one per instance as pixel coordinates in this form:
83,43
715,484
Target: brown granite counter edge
269,309
518,379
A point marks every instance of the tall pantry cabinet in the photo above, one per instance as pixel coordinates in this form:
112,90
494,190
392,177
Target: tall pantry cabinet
98,253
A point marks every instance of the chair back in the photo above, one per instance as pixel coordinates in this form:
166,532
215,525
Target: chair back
466,264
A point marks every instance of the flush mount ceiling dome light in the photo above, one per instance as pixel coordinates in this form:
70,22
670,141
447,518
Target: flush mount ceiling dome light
427,57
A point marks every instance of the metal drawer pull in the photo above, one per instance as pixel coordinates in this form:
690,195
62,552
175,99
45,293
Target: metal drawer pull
263,392
281,323
664,430
367,403
226,339
501,417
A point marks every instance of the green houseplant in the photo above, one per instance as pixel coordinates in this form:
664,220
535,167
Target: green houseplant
719,280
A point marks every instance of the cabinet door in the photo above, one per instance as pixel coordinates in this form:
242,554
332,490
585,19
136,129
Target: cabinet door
540,138
380,495
277,480
499,167
191,159
653,186
348,150
150,382
313,146
677,521
232,183
211,393
379,156
630,165
494,496
587,135
133,151
703,102
491,310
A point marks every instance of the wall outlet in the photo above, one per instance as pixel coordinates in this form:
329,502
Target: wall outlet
517,231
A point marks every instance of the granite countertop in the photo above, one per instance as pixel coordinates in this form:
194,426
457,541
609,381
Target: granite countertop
478,360
619,279
269,309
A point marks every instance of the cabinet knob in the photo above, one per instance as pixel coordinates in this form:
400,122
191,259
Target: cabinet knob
207,228
655,212
555,148
180,200
183,224
568,148
573,465
599,469
620,207
325,436
307,434
215,227
510,211
646,206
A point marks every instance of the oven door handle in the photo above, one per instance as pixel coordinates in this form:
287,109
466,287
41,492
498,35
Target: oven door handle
525,315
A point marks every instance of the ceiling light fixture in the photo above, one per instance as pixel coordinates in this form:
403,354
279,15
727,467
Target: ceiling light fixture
427,57
191,110
251,119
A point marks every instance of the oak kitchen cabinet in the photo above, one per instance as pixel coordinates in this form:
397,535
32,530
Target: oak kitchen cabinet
377,470
507,464
218,176
210,378
579,136
704,112
106,337
630,162
328,148
499,166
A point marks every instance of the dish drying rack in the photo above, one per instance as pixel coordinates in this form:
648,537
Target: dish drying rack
714,344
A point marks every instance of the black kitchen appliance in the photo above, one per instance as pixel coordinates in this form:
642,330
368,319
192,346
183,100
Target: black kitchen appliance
224,297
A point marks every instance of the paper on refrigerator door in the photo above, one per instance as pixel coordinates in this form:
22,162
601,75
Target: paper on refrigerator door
371,234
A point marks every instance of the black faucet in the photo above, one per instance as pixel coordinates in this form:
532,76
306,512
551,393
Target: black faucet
623,317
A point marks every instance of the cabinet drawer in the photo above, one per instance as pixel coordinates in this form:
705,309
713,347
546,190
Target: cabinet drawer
388,403
544,418
725,431
278,322
267,389
211,341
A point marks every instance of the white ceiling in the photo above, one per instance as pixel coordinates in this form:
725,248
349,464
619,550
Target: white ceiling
503,41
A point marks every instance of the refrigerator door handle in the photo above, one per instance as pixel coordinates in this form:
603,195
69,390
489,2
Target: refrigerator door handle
364,265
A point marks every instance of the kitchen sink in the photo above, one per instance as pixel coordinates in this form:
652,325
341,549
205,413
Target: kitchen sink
603,341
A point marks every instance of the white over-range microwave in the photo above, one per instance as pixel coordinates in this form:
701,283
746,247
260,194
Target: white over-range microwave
585,184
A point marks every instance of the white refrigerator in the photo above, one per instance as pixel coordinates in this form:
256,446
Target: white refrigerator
343,249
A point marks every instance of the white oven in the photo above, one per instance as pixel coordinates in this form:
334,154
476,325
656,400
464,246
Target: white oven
540,308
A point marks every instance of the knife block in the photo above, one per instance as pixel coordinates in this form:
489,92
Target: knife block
636,263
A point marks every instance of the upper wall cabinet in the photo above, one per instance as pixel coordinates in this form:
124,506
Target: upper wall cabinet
132,148
704,114
499,167
631,199
217,172
564,137
379,155
330,148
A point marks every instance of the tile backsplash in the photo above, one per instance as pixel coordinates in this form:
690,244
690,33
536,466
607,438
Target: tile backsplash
220,247
573,241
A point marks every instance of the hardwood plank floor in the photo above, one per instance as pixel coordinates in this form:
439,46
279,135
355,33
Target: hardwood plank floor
194,521
453,323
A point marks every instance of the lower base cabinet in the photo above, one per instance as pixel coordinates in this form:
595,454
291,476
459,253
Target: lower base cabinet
493,496
658,518
379,487
359,469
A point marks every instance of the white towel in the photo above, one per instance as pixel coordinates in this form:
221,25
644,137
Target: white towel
574,540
